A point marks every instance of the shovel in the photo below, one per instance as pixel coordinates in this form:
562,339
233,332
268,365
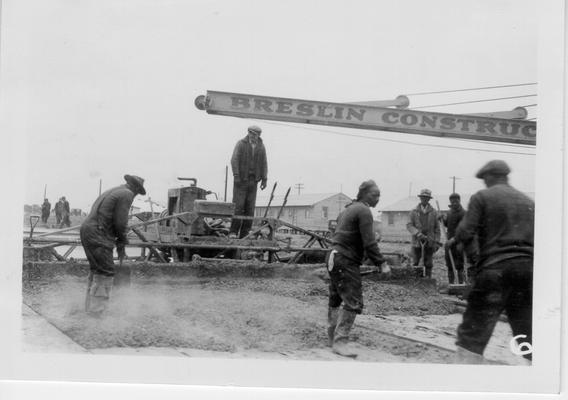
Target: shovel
122,275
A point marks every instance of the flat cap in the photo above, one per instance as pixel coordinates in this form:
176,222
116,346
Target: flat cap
425,193
254,129
136,182
494,167
455,196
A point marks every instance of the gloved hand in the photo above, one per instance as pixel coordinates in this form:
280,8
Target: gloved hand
385,270
421,236
449,243
263,184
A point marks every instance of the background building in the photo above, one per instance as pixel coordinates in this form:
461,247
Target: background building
311,211
394,217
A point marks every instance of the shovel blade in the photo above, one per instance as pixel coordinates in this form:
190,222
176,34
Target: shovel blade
122,276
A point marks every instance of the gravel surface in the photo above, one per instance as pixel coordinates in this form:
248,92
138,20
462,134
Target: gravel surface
219,307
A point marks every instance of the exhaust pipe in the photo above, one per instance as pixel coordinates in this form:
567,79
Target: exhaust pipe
194,180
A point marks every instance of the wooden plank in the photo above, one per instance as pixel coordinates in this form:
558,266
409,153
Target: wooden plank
152,248
69,251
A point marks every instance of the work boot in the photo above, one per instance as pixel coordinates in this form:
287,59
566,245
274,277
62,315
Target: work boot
464,356
332,316
428,273
98,294
460,276
341,344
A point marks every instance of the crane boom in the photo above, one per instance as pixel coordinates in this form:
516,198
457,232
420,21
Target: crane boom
362,116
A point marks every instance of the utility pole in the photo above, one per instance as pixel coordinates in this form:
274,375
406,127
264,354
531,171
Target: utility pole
453,178
45,191
226,177
100,186
299,186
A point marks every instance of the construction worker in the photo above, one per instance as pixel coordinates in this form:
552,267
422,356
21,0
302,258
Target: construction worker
249,167
65,213
502,218
353,238
425,230
58,211
105,227
454,254
45,210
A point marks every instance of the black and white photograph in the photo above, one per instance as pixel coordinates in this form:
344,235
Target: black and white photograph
361,195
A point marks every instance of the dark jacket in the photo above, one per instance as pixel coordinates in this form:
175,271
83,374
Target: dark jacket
452,220
244,160
425,222
46,208
503,220
354,236
107,222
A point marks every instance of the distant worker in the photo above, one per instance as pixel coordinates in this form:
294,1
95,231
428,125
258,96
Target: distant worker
65,213
45,210
58,211
249,167
353,238
502,218
454,253
105,227
425,230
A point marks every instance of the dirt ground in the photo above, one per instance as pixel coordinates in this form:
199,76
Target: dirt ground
245,310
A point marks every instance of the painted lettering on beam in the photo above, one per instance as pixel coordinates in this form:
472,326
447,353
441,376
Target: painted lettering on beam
372,117
326,111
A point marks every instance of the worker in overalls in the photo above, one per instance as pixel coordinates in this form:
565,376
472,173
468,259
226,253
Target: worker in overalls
106,226
425,230
249,167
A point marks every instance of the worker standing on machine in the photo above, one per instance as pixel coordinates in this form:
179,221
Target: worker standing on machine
249,167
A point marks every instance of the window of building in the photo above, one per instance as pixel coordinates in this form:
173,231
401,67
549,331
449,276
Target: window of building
307,213
391,218
324,212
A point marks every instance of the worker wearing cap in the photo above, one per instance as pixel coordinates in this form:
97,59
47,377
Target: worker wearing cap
107,226
353,238
502,219
249,167
425,230
454,254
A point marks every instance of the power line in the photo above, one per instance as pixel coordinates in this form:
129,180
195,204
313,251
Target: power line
474,101
402,141
471,89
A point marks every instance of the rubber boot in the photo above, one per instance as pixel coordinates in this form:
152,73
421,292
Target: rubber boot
464,356
428,273
451,276
332,316
341,344
460,276
98,294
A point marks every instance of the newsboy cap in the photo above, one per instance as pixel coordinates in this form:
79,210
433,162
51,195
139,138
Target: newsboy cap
494,167
425,193
455,196
136,182
255,129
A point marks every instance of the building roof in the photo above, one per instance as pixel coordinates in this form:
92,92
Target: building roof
409,203
295,200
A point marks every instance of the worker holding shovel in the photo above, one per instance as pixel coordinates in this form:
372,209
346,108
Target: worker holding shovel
105,227
425,230
454,253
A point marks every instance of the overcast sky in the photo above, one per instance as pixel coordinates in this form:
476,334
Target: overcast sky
107,88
